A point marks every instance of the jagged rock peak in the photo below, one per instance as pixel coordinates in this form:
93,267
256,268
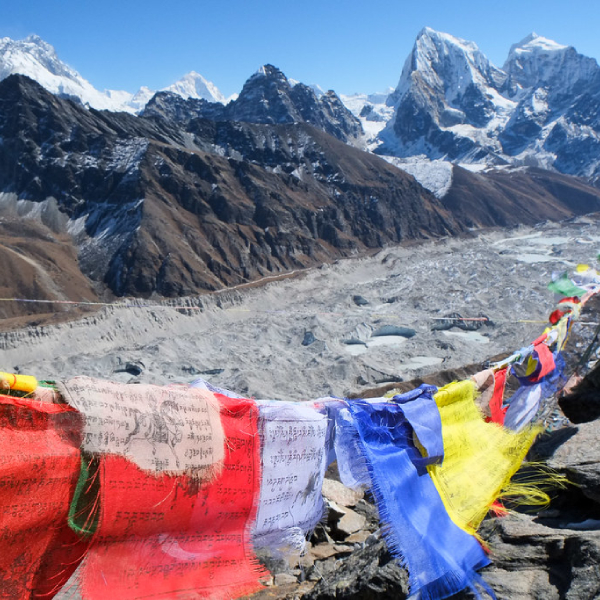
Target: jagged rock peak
447,65
269,72
270,97
446,82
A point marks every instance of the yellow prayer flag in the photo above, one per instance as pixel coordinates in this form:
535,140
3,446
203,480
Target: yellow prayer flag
21,383
479,457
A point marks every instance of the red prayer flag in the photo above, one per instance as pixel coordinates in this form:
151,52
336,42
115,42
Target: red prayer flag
170,537
39,466
497,411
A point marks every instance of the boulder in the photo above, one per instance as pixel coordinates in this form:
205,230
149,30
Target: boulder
394,330
360,301
351,522
531,560
578,458
340,494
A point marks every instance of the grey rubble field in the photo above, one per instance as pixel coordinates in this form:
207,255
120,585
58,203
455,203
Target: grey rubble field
251,340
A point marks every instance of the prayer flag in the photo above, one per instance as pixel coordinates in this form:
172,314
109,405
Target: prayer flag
294,459
39,464
441,558
167,537
525,403
479,457
162,429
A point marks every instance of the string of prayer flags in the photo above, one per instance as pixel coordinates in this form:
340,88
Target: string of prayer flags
164,492
441,558
162,429
294,458
169,537
479,457
39,464
525,402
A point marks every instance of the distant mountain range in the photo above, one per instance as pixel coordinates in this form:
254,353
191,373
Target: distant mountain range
542,108
177,206
193,194
37,59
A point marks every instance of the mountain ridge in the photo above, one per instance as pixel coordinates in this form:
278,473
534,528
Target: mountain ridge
172,206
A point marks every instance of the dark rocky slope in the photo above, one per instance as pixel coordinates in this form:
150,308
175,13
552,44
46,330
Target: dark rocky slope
153,207
174,203
507,198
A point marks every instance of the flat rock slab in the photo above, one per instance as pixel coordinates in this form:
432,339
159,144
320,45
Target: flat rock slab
322,551
579,459
340,494
284,579
358,538
351,522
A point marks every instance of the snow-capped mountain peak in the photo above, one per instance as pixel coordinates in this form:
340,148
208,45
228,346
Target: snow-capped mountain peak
429,37
194,85
536,43
447,84
542,108
447,65
537,60
37,59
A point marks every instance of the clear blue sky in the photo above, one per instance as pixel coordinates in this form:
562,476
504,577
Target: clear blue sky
346,45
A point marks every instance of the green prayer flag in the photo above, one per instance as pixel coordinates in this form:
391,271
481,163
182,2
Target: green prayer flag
563,285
